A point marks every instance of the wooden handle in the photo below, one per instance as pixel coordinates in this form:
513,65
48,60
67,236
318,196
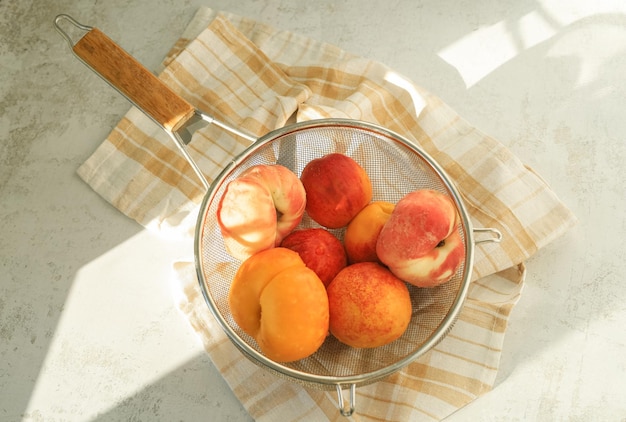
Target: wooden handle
133,80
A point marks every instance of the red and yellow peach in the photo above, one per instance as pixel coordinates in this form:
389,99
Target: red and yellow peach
337,188
421,243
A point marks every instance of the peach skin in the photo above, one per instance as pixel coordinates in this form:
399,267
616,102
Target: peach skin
362,232
337,188
421,243
281,303
368,305
294,318
250,280
259,208
320,250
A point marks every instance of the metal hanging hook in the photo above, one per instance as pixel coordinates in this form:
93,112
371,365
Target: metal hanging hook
496,235
63,17
346,410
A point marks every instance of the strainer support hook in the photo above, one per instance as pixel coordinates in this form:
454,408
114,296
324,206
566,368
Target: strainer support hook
349,409
496,235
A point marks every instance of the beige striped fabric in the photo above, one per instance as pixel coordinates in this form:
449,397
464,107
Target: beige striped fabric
258,78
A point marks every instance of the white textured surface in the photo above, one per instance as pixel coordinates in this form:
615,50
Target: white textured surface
88,325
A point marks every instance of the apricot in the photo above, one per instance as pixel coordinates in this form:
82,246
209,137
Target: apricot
294,315
420,243
281,303
362,232
337,188
368,305
320,250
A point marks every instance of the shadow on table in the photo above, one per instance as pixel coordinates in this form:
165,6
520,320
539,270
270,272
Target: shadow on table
195,391
51,223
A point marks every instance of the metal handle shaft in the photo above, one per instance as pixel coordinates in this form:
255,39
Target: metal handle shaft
128,76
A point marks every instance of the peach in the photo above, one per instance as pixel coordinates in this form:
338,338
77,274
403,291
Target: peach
281,303
320,250
259,208
337,188
362,232
368,305
294,315
250,280
421,243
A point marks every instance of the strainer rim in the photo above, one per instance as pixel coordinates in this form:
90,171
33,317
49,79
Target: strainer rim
300,376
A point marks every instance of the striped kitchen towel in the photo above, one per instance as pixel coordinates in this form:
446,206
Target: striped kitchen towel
258,78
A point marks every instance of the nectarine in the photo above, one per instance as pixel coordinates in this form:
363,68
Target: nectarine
368,305
421,243
320,250
337,188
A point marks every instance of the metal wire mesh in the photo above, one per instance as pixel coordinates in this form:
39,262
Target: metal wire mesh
395,168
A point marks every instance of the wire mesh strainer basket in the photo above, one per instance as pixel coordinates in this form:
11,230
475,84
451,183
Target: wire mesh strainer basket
396,167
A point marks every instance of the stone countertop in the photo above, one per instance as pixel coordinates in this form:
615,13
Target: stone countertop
89,329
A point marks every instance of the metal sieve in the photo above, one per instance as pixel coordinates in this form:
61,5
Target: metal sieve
395,166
